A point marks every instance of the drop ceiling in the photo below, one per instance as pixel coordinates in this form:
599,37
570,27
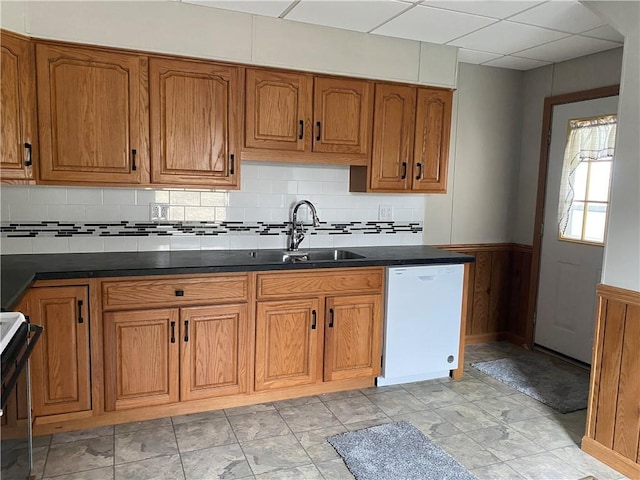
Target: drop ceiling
518,35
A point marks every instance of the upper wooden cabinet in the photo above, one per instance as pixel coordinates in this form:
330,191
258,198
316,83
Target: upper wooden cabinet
60,365
278,110
91,115
300,118
194,122
410,141
18,145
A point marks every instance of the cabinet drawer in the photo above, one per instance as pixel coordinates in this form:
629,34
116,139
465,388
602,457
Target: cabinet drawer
319,282
175,291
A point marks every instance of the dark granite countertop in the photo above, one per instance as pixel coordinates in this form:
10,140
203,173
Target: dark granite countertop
18,272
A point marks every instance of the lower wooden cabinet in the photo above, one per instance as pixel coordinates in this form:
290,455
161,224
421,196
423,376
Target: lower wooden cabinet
60,363
157,357
314,340
353,337
287,335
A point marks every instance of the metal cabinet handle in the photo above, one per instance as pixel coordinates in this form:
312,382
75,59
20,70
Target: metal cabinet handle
80,319
186,330
232,164
173,332
29,161
134,152
404,170
419,175
331,318
179,293
319,130
314,323
301,134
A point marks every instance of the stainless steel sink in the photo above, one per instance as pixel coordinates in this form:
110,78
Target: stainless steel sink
317,255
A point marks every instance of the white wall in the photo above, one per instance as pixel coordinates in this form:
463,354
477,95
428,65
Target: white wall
584,73
622,251
480,204
194,30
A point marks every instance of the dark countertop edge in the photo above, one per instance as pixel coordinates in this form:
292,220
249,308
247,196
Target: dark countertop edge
27,278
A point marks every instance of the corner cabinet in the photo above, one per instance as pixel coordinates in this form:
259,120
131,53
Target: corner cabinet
298,117
194,122
60,364
18,146
332,331
175,352
410,141
91,115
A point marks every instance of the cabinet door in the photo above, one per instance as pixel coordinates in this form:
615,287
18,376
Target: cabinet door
393,127
214,351
278,110
342,116
91,114
287,352
141,352
60,366
433,127
194,122
353,337
18,113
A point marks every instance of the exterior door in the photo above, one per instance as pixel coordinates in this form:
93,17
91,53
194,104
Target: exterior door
569,269
287,351
393,128
141,358
214,351
18,112
342,115
194,121
91,114
278,110
60,362
352,337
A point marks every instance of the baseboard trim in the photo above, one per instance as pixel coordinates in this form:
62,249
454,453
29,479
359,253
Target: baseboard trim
611,458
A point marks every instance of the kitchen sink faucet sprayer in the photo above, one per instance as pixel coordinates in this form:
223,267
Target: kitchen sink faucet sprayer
297,229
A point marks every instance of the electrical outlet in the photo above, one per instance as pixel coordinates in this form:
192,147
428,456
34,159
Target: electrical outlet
158,212
385,213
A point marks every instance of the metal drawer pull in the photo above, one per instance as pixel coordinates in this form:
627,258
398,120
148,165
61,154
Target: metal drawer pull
134,152
186,330
29,161
315,320
419,175
179,293
232,164
319,130
173,332
301,134
404,170
331,318
80,319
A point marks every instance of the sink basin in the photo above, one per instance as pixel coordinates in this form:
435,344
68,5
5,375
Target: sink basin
318,255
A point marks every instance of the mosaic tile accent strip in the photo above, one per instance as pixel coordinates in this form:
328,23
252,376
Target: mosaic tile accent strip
166,229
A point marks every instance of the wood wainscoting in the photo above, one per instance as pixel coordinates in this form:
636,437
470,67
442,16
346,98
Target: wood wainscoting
499,291
613,418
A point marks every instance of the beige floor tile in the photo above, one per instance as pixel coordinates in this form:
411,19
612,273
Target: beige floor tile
507,409
304,472
544,466
309,417
261,407
466,452
355,409
82,434
257,425
467,417
588,465
498,471
204,434
504,442
227,461
144,425
315,443
77,456
397,403
276,453
158,468
143,444
105,473
197,417
335,470
430,423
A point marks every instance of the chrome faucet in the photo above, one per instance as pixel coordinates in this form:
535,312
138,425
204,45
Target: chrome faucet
297,229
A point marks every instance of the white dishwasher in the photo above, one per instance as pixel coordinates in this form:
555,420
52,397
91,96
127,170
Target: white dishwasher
422,323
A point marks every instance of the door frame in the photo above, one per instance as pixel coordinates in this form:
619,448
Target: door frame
545,142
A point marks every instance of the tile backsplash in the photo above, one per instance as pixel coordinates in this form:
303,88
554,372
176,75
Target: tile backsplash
268,192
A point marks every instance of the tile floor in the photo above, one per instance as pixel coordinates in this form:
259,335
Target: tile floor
491,429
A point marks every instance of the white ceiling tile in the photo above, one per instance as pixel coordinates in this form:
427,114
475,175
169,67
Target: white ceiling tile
474,56
360,16
605,33
507,37
571,47
567,16
494,9
432,25
269,8
515,63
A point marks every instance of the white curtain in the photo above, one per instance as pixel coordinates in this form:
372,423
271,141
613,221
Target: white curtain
588,139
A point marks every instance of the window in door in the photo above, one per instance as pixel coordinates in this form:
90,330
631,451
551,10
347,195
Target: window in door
586,179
